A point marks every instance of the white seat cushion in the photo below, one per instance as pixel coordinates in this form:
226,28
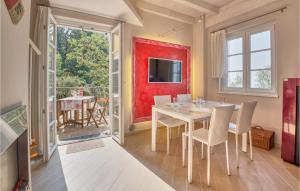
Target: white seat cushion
171,122
232,128
200,135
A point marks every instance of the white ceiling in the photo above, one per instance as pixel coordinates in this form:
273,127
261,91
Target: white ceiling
175,6
182,10
116,9
218,3
178,6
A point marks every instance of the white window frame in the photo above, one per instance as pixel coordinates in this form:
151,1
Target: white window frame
245,34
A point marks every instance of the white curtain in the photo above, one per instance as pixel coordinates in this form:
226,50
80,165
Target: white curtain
217,51
37,77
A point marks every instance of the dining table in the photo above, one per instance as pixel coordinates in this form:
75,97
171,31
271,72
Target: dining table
75,103
188,112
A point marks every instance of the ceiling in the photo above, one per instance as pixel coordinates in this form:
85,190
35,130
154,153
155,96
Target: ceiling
116,9
187,11
190,10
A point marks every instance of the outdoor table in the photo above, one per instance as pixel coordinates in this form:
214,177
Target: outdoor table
75,103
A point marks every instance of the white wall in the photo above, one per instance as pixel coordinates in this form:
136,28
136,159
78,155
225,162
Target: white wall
14,80
155,28
15,58
269,110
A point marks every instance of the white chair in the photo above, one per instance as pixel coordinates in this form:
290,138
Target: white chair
215,135
243,125
184,98
167,121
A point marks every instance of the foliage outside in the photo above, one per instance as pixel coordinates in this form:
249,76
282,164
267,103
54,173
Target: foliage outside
82,61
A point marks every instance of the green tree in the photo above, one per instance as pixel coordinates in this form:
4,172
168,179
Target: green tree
263,79
82,58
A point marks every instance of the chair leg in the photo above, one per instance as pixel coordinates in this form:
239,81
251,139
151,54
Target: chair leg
250,140
227,158
94,120
183,149
237,150
208,165
202,150
168,139
185,128
89,120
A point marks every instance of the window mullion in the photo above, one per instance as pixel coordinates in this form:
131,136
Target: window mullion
245,64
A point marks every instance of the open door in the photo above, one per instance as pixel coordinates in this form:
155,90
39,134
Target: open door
49,70
115,84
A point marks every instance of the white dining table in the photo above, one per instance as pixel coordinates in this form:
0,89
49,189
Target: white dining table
189,112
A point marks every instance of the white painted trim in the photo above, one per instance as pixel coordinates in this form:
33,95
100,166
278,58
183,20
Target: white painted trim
164,12
200,5
34,47
246,90
270,95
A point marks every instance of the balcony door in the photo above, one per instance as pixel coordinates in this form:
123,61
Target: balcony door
116,114
49,70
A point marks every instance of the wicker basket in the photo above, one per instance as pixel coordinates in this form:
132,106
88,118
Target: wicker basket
262,138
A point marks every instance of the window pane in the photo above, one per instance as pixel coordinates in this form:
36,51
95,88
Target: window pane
261,79
235,46
235,79
235,63
261,41
261,60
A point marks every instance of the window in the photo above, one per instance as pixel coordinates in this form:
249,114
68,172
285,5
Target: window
249,62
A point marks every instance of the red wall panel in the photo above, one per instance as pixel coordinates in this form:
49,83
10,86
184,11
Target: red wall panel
143,91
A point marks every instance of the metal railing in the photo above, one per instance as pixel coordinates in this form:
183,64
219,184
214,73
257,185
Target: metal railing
98,91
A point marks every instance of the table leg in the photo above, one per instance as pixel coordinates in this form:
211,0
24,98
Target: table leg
244,142
82,120
154,129
190,151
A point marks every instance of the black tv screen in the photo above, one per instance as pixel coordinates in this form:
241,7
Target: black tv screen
164,70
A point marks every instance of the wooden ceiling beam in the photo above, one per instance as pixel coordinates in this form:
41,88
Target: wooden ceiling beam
164,12
200,5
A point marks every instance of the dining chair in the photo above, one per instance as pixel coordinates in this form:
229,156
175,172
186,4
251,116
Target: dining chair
243,125
215,135
167,121
184,98
91,111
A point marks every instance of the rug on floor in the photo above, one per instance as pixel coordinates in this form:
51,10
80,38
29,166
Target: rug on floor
84,145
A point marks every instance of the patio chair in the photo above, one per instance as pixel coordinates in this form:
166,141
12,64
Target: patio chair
91,111
102,104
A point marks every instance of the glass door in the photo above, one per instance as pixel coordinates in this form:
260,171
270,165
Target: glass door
115,84
51,85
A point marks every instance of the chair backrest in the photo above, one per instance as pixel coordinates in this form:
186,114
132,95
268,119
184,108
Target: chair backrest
244,118
184,98
93,102
163,99
219,122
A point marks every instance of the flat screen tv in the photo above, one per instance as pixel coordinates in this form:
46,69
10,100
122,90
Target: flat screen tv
164,70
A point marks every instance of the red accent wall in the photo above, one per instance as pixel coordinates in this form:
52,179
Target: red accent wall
143,91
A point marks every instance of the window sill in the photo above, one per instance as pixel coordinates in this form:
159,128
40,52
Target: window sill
269,95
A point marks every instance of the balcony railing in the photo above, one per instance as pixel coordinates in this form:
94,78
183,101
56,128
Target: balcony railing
99,92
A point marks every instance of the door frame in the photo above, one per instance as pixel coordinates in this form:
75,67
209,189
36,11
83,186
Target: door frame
48,153
120,27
